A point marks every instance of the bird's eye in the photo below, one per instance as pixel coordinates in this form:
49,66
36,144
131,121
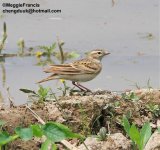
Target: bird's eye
99,53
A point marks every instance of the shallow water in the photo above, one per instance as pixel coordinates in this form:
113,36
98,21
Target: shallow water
123,29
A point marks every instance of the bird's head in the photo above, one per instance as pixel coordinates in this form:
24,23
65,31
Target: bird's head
98,54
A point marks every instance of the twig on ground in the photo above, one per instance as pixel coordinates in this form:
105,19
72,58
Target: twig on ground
11,104
108,127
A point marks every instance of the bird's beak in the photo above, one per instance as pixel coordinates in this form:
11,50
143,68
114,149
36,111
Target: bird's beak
107,53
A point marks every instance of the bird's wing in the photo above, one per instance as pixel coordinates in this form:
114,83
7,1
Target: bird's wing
87,66
62,69
77,67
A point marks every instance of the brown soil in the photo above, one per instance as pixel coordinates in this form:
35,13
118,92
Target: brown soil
83,114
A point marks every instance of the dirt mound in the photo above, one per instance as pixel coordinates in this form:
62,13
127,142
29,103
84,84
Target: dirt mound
86,114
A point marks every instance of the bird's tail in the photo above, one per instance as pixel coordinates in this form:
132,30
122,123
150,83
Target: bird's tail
52,77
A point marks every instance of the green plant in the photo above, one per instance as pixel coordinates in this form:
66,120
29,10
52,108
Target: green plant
3,69
60,44
102,134
53,131
67,55
130,96
63,56
117,104
60,54
44,62
21,46
149,84
43,94
135,84
4,37
129,114
46,94
155,109
65,88
139,138
48,50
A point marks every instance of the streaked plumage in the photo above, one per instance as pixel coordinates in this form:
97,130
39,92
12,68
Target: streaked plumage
79,71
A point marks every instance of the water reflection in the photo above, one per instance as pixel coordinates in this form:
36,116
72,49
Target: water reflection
2,65
1,97
3,72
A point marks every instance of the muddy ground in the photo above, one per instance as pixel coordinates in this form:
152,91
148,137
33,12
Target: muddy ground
86,114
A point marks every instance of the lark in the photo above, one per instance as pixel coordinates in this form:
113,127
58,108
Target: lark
78,71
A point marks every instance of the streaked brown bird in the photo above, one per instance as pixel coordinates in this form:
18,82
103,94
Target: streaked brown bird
78,71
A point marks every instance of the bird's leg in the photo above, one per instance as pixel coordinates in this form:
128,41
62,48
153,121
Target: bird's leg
84,88
74,83
81,87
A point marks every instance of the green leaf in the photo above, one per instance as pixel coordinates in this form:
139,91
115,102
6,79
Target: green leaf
53,46
46,144
126,124
134,135
24,133
27,91
73,55
54,147
125,96
145,134
37,131
43,92
57,132
134,97
4,138
130,96
43,47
